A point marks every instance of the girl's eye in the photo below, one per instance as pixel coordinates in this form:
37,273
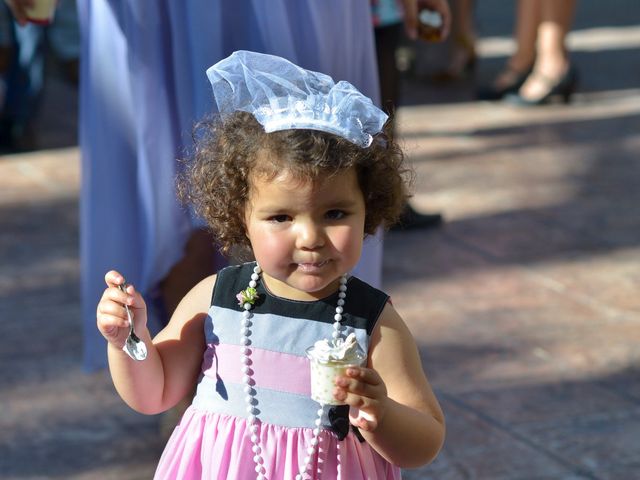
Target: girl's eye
335,214
280,218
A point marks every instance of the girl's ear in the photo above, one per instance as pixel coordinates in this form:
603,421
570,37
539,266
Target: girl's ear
245,221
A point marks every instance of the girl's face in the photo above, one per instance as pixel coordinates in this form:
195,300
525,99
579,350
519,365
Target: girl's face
305,235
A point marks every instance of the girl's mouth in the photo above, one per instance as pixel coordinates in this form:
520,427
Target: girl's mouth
312,267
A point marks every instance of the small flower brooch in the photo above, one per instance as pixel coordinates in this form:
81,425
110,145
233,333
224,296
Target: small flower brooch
249,295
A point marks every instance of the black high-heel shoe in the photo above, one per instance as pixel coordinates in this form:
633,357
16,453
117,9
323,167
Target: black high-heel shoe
562,88
493,93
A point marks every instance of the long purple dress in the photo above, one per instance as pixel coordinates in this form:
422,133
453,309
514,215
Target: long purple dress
143,85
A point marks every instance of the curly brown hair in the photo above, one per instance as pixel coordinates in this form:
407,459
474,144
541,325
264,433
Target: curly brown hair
216,178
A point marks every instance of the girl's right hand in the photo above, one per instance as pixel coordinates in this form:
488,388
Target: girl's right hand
111,314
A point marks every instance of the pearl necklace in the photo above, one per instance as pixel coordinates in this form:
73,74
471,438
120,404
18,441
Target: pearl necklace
251,400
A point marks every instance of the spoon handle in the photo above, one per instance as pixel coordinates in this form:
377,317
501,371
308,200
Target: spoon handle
123,288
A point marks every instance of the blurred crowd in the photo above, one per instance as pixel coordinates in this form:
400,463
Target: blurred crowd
538,71
166,48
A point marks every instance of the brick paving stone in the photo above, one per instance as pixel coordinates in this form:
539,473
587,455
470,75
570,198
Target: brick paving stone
479,449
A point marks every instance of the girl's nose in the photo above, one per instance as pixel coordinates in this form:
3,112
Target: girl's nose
310,236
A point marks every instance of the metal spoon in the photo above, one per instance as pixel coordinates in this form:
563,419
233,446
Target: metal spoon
133,346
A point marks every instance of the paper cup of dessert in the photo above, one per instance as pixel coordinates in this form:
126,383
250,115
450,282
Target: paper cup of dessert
330,359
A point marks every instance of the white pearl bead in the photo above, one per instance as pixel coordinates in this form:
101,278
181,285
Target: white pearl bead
318,422
252,418
335,335
337,317
342,288
314,442
245,332
311,450
343,279
320,411
245,341
252,284
339,309
306,462
246,314
257,269
340,302
298,477
248,389
316,431
258,459
247,306
255,439
256,449
254,428
261,477
342,295
246,350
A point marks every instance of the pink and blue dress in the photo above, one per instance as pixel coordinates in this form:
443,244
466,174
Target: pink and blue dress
213,441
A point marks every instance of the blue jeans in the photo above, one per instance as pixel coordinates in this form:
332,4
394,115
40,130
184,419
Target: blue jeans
25,78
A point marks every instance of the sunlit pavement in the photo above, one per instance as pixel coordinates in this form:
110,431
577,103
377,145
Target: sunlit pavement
524,304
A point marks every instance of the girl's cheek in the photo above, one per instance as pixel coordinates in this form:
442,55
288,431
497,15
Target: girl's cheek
269,243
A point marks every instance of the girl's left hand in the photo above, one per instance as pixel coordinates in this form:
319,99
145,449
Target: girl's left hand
364,390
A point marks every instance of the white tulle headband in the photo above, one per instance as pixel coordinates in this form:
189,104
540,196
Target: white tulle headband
283,96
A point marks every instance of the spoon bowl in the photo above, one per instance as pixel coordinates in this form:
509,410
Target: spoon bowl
133,346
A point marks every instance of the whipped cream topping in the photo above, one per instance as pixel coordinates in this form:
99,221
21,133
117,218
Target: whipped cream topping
339,350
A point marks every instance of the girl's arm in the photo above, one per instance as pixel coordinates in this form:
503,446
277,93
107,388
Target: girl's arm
174,356
395,407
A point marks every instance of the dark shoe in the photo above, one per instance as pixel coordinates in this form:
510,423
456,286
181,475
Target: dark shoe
563,88
412,220
16,137
493,93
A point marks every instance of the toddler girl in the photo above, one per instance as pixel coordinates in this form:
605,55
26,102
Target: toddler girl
295,171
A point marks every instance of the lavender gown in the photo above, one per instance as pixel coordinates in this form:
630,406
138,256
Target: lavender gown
143,85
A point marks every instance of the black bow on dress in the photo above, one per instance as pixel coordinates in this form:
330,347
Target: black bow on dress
339,422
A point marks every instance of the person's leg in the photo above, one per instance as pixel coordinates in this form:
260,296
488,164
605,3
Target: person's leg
6,42
387,41
552,61
199,261
25,80
526,28
64,38
462,54
519,64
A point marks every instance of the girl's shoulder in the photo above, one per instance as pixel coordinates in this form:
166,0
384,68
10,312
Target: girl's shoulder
365,301
233,278
198,298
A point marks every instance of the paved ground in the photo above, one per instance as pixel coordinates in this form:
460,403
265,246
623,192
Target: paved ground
525,304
